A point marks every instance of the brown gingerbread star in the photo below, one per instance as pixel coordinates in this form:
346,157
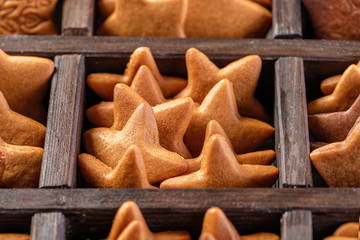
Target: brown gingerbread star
243,73
22,165
219,104
24,82
339,163
103,83
17,129
265,157
110,144
129,172
129,223
172,117
343,96
220,169
146,18
216,226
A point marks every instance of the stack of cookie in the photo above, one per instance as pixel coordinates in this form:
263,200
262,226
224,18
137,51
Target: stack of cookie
196,139
23,85
333,120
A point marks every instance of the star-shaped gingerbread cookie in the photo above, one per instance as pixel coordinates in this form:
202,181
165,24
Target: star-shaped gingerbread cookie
17,129
110,144
334,127
129,172
146,18
328,85
103,83
216,226
265,157
129,224
339,163
219,104
24,82
172,117
226,19
22,165
343,96
220,169
243,73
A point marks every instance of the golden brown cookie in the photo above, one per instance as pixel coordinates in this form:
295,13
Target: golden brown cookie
226,19
106,7
110,144
14,236
22,165
172,117
350,229
141,56
146,18
27,17
334,127
213,127
334,19
129,172
129,223
338,163
216,226
17,129
24,82
220,169
343,96
328,85
243,73
244,133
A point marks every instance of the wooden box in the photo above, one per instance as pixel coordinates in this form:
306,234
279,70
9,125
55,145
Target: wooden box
298,207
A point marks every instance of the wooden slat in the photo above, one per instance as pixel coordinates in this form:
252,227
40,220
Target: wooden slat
291,128
64,123
78,17
48,226
287,19
169,48
296,225
269,200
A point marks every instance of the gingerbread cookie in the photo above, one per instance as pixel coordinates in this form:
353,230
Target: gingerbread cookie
338,163
343,96
110,144
146,18
226,19
27,17
218,227
22,165
130,224
14,236
129,172
220,169
17,129
103,83
243,73
24,81
244,133
347,231
334,19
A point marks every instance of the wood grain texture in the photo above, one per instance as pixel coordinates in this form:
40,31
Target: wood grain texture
78,17
62,141
287,19
50,46
48,226
291,127
296,225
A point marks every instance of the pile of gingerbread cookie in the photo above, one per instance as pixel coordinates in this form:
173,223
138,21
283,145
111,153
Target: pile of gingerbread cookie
24,83
186,18
173,133
334,122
